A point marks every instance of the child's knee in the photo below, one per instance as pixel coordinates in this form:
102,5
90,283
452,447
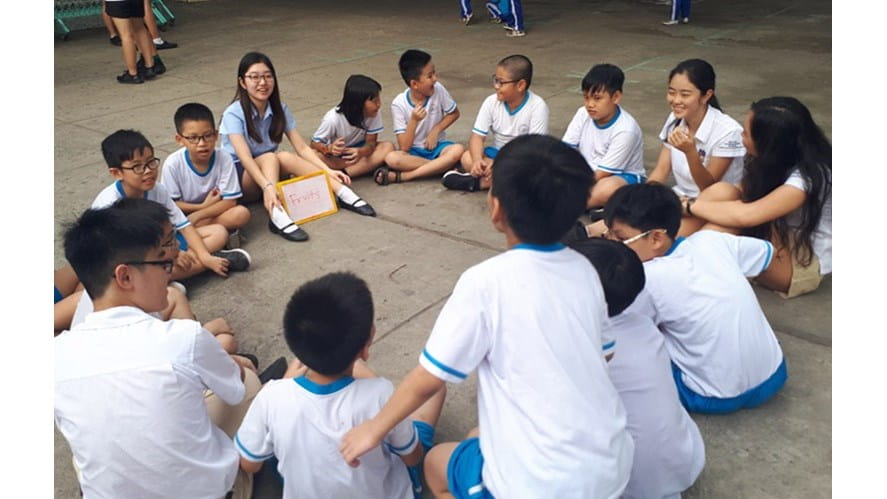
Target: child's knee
228,342
385,147
218,326
393,158
240,216
436,463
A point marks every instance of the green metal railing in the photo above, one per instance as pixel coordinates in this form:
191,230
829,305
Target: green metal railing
71,9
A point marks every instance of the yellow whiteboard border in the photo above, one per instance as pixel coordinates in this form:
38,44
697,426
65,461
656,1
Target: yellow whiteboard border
329,187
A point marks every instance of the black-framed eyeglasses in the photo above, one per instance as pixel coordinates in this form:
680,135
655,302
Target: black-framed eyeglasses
140,169
195,139
166,264
498,83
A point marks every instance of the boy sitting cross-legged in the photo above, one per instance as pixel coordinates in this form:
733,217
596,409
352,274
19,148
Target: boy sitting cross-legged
328,324
530,321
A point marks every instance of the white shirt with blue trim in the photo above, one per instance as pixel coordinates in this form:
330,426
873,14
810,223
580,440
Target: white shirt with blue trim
437,106
822,235
302,424
129,398
494,116
669,452
718,136
616,147
185,183
234,121
334,125
114,193
530,321
715,330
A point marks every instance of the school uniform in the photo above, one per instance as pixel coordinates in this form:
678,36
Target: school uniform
129,399
724,352
114,192
822,235
504,124
302,423
616,147
334,125
531,322
669,453
185,183
438,105
718,136
234,121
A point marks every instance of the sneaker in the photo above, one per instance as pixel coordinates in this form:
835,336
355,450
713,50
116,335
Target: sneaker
467,19
514,33
238,259
165,45
181,287
115,41
459,181
159,67
685,20
148,73
496,20
128,78
670,22
234,240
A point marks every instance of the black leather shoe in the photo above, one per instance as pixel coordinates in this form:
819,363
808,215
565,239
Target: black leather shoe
364,209
297,235
165,45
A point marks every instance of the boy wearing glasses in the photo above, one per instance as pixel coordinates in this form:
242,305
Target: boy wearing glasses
724,354
510,112
130,389
201,177
130,159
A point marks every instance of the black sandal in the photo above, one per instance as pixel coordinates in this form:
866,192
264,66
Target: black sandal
384,180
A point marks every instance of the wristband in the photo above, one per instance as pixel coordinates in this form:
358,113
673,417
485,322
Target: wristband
266,185
689,204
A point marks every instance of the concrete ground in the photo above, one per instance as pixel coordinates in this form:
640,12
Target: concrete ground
424,236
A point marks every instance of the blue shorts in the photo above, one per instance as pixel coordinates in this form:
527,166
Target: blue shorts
491,152
754,397
426,438
465,471
183,245
631,178
58,295
428,153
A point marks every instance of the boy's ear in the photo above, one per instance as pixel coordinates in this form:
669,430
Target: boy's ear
497,214
115,172
521,85
661,241
617,96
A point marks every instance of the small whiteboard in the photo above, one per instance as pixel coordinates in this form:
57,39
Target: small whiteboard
308,197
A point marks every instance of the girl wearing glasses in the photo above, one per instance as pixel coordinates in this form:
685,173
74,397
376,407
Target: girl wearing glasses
253,127
784,196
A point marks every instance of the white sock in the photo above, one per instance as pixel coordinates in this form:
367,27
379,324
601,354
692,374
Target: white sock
280,220
158,40
349,197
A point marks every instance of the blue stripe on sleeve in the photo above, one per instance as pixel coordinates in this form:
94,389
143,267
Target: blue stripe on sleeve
479,132
769,256
608,346
610,169
376,130
249,454
440,365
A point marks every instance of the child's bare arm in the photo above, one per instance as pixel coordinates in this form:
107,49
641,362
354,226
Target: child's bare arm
250,466
443,124
195,243
413,458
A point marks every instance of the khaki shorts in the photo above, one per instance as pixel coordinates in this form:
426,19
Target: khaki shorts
804,279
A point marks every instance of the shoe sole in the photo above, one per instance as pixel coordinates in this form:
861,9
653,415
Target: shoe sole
458,179
223,253
275,230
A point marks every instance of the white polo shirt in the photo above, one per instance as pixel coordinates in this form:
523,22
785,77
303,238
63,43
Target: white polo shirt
715,330
129,398
114,193
302,423
616,147
334,125
668,450
185,183
551,423
437,106
494,116
822,235
718,136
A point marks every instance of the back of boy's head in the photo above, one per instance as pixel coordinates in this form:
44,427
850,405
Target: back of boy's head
192,111
645,207
122,145
603,77
542,186
101,239
519,67
411,64
328,322
619,267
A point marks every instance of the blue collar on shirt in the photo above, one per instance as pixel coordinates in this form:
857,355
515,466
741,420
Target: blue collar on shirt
519,107
212,161
333,387
674,245
548,248
609,123
119,186
410,101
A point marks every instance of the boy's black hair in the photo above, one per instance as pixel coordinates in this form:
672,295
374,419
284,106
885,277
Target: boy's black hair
542,185
328,321
518,67
193,111
101,239
619,267
358,90
411,64
122,145
603,77
645,207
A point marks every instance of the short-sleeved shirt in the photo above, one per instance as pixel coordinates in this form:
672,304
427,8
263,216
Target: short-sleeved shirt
615,147
302,423
822,235
669,452
715,330
159,194
530,320
334,125
494,116
129,399
437,106
185,183
233,121
718,136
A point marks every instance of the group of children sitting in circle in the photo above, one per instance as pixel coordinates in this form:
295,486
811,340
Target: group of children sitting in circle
586,371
